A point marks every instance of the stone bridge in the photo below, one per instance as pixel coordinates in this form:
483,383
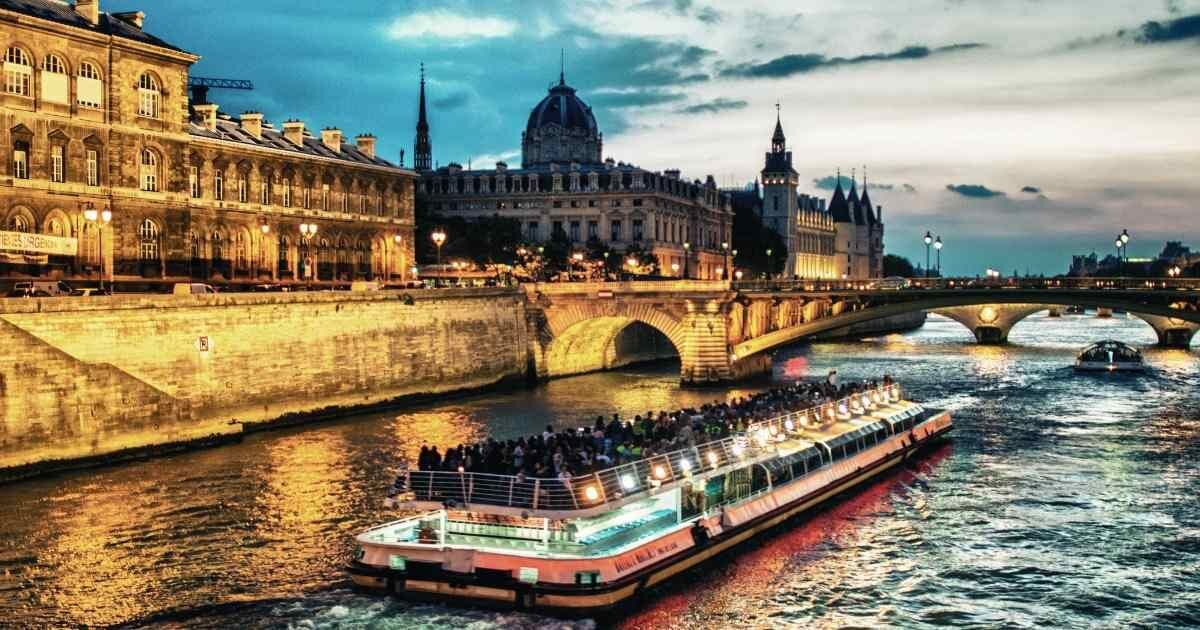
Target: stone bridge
723,332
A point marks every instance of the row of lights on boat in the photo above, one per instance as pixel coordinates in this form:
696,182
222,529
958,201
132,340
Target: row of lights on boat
659,472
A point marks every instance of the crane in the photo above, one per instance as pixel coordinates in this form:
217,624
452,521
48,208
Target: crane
199,87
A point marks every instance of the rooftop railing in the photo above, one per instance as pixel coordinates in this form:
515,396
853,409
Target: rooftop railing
639,477
918,284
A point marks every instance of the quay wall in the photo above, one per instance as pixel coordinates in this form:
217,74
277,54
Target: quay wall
82,378
883,326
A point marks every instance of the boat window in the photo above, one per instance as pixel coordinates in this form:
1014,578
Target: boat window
798,468
758,481
692,500
587,577
714,490
814,463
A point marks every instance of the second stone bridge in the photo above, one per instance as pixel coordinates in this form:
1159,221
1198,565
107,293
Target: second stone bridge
722,334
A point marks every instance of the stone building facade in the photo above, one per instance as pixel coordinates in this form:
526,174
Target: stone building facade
859,249
564,187
97,118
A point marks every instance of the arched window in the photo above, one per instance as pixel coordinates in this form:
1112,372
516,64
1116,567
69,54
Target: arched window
56,226
148,240
216,242
17,72
283,251
149,170
241,250
89,86
18,223
56,85
148,95
194,244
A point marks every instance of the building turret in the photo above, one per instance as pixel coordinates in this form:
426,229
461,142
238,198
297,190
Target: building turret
422,147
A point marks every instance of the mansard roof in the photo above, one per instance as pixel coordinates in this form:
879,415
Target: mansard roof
64,13
229,130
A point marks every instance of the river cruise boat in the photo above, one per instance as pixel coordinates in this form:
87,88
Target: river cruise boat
1109,356
583,546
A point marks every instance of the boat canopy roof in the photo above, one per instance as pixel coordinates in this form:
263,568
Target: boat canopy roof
1100,350
852,436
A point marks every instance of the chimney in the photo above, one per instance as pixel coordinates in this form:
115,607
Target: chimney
252,124
208,112
132,18
366,144
293,130
331,137
89,10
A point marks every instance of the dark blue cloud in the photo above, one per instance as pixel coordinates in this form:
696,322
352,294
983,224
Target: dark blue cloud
451,101
716,105
789,65
974,190
1153,32
830,182
1033,190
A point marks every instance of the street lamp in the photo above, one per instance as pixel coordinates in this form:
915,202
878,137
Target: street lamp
769,268
1120,261
578,258
937,244
738,274
675,268
721,272
100,218
439,237
928,240
687,251
307,232
399,240
632,262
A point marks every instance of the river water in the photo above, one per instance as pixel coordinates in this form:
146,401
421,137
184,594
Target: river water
1063,500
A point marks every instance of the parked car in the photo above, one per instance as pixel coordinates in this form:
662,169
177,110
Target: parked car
92,291
193,288
41,288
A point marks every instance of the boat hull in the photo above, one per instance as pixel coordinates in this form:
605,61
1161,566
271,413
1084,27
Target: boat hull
583,600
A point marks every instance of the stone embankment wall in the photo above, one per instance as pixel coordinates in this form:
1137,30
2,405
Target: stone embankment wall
89,377
884,326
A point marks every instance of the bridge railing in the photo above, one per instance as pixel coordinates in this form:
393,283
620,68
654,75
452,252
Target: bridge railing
634,478
918,284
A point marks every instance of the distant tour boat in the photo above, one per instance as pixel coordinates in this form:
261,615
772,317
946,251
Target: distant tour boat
1109,356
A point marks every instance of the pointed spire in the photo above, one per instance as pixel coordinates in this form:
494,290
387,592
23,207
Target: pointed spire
422,147
778,141
562,66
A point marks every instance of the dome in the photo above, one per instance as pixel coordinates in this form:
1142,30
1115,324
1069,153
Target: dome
561,107
561,128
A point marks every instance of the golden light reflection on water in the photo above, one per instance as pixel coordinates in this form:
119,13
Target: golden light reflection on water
436,428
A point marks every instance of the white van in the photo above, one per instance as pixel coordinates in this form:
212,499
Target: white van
193,288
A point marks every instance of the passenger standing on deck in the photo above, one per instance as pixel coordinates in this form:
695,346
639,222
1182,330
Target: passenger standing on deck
831,380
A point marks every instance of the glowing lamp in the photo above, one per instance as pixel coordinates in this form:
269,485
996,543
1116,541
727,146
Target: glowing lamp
660,472
713,460
789,425
591,494
774,430
738,450
685,465
628,482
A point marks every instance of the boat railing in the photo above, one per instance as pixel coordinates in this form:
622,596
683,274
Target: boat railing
460,488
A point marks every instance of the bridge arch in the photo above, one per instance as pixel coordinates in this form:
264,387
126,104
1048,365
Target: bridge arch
599,335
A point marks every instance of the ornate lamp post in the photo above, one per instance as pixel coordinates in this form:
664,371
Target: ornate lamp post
399,240
770,269
439,237
307,232
1125,244
928,238
724,246
262,245
1120,260
937,244
687,253
101,218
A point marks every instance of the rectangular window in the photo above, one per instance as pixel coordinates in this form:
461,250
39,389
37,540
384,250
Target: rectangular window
93,168
194,181
324,196
557,229
264,193
615,227
55,87
637,229
531,231
593,230
307,198
16,79
574,231
219,186
243,188
637,203
147,103
57,166
88,92
557,204
21,161
345,202
287,193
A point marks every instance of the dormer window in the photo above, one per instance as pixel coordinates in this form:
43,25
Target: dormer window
149,95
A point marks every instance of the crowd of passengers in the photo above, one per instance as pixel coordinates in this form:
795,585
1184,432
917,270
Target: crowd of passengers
606,443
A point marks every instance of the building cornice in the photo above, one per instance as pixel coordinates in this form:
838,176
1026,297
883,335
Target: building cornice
99,39
242,146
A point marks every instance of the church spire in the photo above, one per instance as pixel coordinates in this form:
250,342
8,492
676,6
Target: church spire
422,148
562,66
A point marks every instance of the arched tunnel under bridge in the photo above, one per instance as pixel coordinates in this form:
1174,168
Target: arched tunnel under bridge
605,343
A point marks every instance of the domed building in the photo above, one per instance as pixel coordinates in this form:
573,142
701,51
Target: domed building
561,128
567,189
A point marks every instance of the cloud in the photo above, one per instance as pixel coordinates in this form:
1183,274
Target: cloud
452,101
708,15
1153,32
974,190
789,65
830,182
711,107
1033,190
445,25
611,98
